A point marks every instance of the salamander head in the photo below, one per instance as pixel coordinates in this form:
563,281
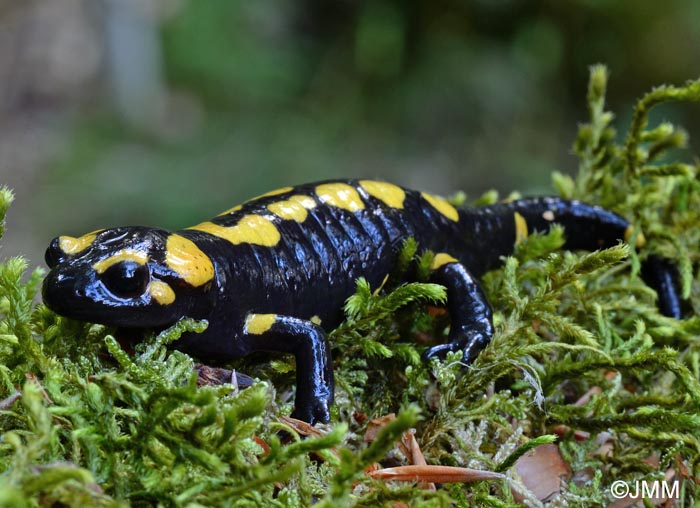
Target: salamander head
128,277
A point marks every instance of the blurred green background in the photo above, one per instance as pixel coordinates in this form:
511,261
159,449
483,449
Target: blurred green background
165,112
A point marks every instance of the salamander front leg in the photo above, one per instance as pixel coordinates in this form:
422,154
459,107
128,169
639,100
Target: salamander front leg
308,343
661,275
470,313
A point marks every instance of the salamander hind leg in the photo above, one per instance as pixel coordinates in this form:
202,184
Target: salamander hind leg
470,313
309,345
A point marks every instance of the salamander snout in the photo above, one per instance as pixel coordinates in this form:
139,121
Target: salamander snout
54,254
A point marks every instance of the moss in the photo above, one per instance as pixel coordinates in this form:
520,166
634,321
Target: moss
86,424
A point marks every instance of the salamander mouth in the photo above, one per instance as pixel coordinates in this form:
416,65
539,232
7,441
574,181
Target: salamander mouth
77,297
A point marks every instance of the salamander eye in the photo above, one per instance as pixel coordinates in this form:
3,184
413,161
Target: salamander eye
126,279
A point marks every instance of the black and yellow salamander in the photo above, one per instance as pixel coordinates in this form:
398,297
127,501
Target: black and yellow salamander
273,273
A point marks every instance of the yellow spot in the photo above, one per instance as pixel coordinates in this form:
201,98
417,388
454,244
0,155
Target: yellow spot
392,195
161,292
520,228
257,324
640,240
548,215
294,208
315,320
442,259
123,255
253,229
71,245
442,206
188,261
340,195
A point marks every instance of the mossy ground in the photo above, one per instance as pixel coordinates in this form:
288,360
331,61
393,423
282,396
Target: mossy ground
85,424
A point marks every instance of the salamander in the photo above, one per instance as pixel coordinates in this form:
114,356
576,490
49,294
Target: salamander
273,273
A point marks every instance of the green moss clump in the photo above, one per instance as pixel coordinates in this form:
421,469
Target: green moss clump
85,424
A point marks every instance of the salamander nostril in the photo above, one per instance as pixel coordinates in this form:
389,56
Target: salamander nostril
54,255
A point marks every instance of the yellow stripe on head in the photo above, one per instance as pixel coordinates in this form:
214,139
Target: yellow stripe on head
252,229
340,195
295,208
71,245
161,292
257,324
442,259
520,228
390,194
136,256
188,261
442,206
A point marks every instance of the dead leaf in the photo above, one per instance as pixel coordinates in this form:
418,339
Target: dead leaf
215,376
607,444
562,430
360,417
261,442
586,397
375,425
301,427
408,445
411,449
542,470
8,402
32,377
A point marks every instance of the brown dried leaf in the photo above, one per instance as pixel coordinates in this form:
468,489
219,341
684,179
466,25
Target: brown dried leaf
562,430
32,377
607,444
372,468
542,470
360,417
215,376
263,444
586,397
411,448
301,427
8,402
375,425
408,445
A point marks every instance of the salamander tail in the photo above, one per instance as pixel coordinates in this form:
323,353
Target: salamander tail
586,226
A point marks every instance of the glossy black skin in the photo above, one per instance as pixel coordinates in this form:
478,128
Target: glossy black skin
313,269
662,275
